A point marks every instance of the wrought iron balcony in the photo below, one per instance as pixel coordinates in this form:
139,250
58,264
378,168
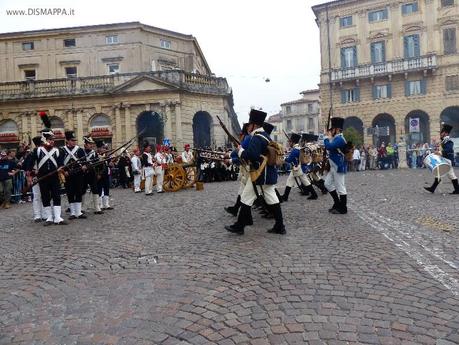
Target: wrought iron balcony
106,85
386,68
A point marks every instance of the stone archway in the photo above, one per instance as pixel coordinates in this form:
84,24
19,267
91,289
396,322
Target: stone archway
354,122
450,116
100,127
384,120
417,119
150,127
202,129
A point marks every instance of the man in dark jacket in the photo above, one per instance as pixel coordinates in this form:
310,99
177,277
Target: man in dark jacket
266,181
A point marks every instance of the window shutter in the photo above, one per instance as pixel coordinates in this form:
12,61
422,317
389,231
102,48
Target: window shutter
407,88
341,22
389,90
343,59
415,6
405,47
423,86
417,48
385,13
373,54
354,61
343,96
383,51
404,9
374,92
370,16
357,94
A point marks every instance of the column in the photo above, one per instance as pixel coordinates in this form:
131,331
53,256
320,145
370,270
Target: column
178,125
79,125
33,124
70,123
127,119
118,133
25,127
168,122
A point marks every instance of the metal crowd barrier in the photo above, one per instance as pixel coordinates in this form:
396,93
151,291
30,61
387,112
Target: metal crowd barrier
19,183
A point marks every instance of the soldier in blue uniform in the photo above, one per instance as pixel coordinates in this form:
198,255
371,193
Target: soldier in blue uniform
103,178
90,179
243,170
74,181
336,144
297,175
265,183
447,151
48,160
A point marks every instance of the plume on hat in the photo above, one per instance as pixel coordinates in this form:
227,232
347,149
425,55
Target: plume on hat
45,119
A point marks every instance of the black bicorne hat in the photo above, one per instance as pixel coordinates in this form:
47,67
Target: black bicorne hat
37,140
268,127
337,122
88,139
446,128
70,135
309,138
295,138
257,117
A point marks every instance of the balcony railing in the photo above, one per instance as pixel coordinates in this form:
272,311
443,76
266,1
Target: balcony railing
386,68
107,83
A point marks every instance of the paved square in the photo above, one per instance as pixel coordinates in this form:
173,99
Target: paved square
162,270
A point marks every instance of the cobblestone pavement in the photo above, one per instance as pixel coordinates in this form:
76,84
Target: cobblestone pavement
162,270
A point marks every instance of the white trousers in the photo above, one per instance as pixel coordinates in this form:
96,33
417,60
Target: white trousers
248,195
159,178
37,205
300,176
451,174
335,180
137,179
243,180
149,173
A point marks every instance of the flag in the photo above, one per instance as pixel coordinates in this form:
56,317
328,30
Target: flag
414,125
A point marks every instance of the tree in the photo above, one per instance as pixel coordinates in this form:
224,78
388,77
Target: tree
352,135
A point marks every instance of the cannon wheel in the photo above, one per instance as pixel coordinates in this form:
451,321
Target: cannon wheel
174,178
191,176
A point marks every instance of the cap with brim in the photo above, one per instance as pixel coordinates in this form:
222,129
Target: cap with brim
70,135
88,140
446,128
268,127
295,138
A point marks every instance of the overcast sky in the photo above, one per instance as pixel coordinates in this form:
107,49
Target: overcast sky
245,41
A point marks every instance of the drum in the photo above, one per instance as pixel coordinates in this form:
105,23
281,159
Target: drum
438,165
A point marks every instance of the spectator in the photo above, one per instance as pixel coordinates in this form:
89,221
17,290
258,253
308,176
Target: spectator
7,170
390,155
363,158
356,159
373,155
382,156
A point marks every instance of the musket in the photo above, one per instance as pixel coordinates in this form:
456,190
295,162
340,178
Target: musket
288,138
325,164
230,136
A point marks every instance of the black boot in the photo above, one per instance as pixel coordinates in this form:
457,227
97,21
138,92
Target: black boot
456,186
304,190
313,193
279,227
342,209
286,193
278,195
336,201
434,186
242,221
234,209
321,185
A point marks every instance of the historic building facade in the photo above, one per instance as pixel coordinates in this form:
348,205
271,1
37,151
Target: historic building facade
114,81
299,116
393,64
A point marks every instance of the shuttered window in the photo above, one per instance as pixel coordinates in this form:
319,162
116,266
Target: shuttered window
345,21
410,8
378,52
452,82
348,57
350,95
412,47
449,41
376,16
445,3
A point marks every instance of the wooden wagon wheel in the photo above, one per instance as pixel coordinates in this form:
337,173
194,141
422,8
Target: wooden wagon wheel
191,176
174,178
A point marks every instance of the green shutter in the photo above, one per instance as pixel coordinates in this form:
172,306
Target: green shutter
423,86
417,47
389,90
343,96
407,88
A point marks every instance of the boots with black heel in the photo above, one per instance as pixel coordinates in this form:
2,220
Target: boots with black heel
432,188
279,227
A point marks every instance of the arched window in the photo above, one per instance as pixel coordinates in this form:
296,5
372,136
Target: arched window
100,126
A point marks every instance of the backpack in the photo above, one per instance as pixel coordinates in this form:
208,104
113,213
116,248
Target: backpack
348,152
275,152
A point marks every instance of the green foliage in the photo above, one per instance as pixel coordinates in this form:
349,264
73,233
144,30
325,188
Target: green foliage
352,135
